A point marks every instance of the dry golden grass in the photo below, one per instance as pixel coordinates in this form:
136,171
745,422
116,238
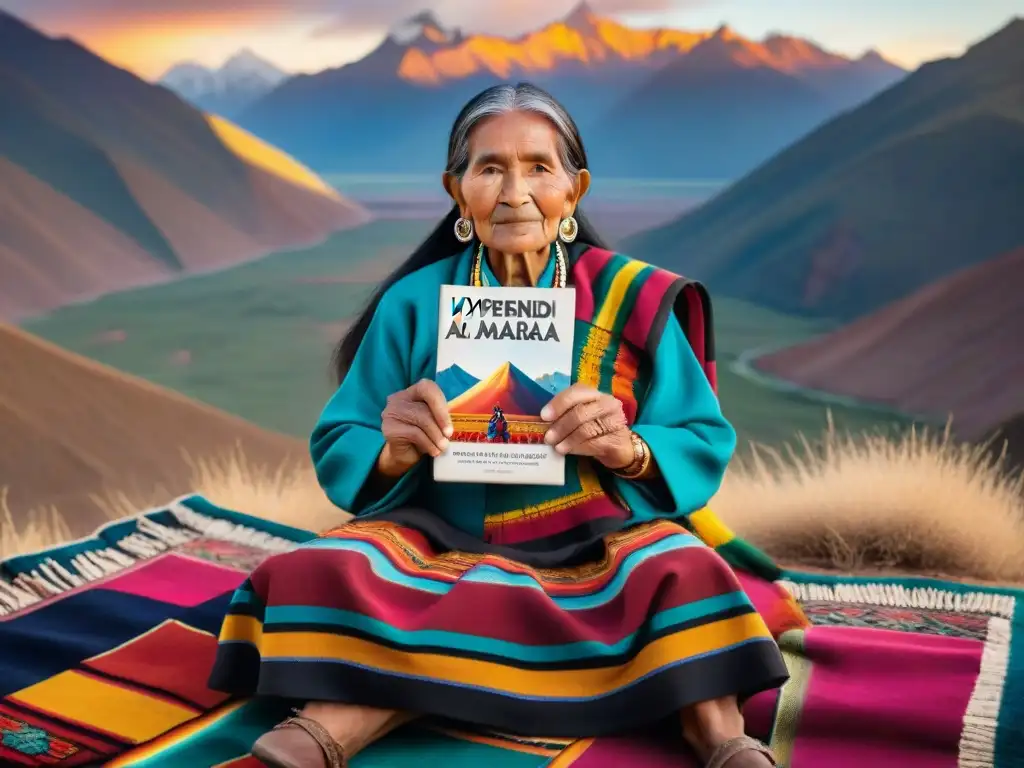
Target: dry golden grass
288,493
41,528
919,503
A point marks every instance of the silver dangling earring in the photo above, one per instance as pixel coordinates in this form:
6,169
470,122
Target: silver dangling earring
463,230
568,229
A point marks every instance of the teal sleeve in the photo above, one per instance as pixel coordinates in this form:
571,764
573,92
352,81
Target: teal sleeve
347,439
681,421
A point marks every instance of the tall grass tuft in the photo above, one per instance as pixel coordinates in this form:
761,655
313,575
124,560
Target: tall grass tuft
920,502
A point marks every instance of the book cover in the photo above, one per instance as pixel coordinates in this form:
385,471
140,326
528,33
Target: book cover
498,352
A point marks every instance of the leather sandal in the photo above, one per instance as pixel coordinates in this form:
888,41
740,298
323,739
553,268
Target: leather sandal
729,749
299,742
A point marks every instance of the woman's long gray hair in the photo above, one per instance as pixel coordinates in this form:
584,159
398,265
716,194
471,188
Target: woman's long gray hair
442,243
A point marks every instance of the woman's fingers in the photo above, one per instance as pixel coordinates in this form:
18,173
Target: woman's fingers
567,399
419,415
594,447
571,420
407,432
409,419
431,395
586,421
420,428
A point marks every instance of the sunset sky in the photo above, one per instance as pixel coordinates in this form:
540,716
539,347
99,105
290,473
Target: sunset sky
148,36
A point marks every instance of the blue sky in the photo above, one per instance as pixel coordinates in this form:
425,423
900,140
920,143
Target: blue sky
148,36
907,31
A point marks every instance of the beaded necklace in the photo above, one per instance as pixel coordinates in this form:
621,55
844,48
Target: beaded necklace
479,280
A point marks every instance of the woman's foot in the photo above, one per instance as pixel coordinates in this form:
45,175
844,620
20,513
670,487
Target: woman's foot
749,760
714,729
741,752
299,742
325,735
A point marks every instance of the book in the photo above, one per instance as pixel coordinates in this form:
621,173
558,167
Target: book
498,350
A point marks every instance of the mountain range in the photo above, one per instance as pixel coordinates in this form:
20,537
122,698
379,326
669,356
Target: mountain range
454,380
74,429
902,218
650,102
107,181
226,90
519,396
952,347
923,180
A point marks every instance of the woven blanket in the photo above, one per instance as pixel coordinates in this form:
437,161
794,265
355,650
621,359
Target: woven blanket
106,643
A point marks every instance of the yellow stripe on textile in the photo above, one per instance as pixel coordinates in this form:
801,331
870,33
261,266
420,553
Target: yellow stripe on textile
241,629
588,371
613,300
695,641
590,487
571,754
789,710
104,706
709,528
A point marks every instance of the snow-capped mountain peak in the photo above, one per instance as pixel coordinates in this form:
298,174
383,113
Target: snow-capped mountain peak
240,81
423,27
246,64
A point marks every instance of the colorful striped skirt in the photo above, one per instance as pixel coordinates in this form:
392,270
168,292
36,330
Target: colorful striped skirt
403,612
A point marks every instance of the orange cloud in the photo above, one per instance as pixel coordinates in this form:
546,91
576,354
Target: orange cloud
150,48
148,36
511,17
98,15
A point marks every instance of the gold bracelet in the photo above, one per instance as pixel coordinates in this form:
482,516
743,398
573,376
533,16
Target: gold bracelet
641,465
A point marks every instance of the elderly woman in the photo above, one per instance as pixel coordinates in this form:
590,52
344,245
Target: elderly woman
578,610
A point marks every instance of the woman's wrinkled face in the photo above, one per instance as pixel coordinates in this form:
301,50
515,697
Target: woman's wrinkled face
515,189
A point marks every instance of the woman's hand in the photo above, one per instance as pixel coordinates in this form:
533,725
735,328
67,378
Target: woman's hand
586,422
415,423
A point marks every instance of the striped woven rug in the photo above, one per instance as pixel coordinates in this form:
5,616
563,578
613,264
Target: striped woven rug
105,645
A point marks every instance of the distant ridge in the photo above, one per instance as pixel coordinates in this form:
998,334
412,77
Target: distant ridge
398,101
508,387
225,90
108,182
919,182
73,428
951,348
423,50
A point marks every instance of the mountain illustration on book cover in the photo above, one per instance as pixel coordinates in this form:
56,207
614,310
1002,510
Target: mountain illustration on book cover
501,352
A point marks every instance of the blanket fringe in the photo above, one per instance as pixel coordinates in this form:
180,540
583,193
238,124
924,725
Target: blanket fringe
150,538
981,720
898,596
